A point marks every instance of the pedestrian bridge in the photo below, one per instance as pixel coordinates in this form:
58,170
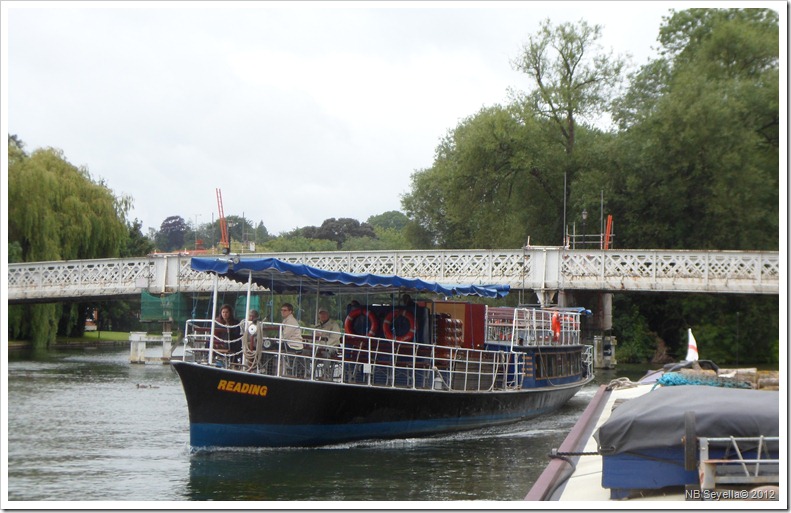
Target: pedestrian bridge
541,269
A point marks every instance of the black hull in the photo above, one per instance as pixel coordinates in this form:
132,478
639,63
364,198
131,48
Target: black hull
230,408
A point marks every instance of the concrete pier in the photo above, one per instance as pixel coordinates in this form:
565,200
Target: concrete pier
138,341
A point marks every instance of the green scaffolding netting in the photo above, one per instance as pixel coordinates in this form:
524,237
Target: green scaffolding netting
174,307
241,302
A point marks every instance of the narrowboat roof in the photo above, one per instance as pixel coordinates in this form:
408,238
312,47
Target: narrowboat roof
286,277
656,419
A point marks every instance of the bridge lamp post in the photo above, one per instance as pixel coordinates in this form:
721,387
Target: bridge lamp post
196,230
584,222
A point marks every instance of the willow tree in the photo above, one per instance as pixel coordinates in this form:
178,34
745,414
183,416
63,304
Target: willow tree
56,211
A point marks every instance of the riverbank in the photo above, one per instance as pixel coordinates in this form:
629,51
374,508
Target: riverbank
90,339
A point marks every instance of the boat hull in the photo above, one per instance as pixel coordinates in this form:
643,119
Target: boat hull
230,408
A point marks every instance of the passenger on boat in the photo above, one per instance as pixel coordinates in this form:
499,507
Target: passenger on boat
292,333
252,316
330,337
227,333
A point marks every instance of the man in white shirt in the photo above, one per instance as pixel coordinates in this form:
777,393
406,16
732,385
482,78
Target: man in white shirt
292,333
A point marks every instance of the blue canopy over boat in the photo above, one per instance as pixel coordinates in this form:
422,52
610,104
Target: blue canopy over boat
286,277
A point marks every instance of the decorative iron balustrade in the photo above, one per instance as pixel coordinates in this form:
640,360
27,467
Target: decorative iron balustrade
532,268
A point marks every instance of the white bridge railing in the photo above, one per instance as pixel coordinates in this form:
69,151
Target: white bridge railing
531,268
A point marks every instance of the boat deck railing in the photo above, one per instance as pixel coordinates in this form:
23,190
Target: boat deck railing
533,327
748,460
359,360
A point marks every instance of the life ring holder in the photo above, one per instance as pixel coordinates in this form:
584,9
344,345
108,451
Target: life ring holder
399,312
373,323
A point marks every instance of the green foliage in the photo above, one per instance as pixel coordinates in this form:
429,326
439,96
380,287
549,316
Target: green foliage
137,244
291,243
711,125
56,211
338,230
492,184
390,219
504,174
386,239
571,74
636,342
14,252
171,234
728,328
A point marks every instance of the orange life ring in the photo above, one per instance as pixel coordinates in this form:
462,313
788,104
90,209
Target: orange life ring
348,324
555,326
399,312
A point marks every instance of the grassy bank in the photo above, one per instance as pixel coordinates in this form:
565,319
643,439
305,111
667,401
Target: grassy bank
90,338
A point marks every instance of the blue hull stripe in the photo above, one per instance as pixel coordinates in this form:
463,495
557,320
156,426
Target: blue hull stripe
278,435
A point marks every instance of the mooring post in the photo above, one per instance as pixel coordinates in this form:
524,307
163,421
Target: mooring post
167,346
137,349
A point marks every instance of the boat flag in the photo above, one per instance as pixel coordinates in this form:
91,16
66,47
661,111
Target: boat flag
692,347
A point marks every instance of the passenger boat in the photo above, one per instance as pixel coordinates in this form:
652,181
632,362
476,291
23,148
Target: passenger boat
683,433
402,369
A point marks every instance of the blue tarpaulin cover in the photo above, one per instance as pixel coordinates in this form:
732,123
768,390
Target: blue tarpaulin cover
286,277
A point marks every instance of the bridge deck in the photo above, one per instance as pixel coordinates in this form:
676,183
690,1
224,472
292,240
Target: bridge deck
532,268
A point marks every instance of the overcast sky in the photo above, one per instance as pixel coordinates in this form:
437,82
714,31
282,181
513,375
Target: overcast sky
298,111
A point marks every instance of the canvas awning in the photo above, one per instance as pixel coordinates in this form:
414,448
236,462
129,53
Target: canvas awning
285,277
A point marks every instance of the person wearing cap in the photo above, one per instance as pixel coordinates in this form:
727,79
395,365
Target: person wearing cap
329,334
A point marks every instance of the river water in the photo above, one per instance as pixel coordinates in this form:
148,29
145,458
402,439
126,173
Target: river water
86,425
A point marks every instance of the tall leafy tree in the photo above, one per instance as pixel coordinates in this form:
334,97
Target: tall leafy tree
503,175
697,166
338,230
137,243
572,81
700,135
571,75
56,211
172,233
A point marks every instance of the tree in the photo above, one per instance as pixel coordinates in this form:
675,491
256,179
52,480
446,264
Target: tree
700,140
572,77
496,180
503,174
56,211
337,230
171,235
696,165
137,244
292,242
467,197
390,219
